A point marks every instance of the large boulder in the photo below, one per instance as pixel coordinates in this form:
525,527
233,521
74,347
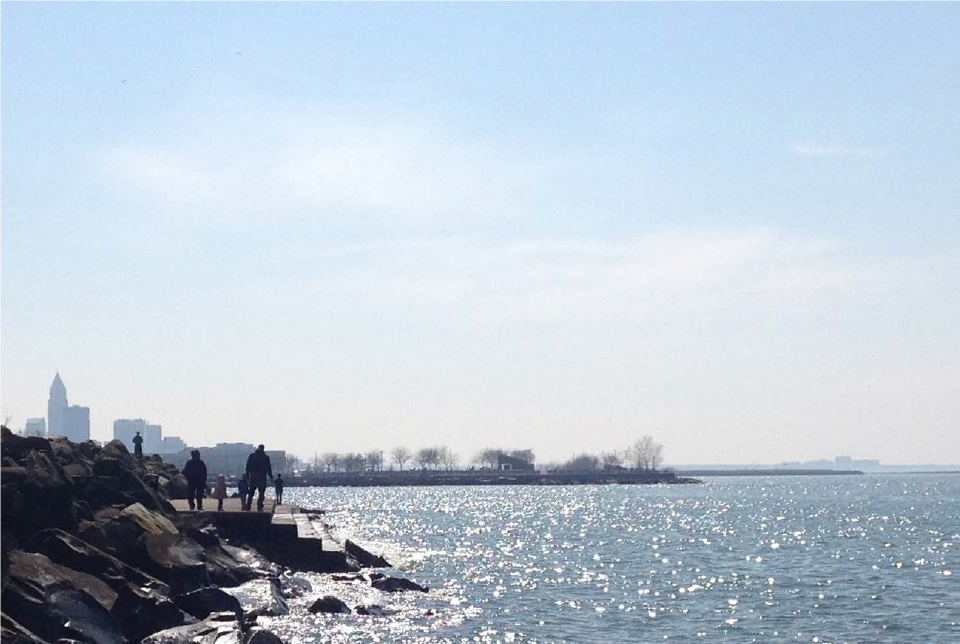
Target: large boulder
218,628
42,492
55,602
257,635
260,597
142,606
148,521
330,605
231,566
366,558
176,559
202,602
12,632
397,584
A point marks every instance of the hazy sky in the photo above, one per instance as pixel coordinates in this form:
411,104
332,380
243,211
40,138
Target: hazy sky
340,227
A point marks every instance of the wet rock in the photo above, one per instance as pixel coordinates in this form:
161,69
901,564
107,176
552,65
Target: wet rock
230,566
293,587
397,584
175,559
260,597
141,607
54,602
218,628
257,635
330,604
12,632
375,610
202,602
365,558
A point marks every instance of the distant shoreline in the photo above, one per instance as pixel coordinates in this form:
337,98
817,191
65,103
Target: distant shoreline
770,472
420,478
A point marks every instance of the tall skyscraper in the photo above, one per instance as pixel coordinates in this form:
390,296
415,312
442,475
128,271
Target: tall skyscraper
57,408
77,424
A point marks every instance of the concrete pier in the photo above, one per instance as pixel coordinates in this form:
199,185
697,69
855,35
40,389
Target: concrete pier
282,532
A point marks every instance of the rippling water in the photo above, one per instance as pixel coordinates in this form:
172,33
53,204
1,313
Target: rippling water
810,559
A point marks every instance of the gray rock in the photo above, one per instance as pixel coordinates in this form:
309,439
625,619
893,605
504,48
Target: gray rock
260,597
202,602
397,584
175,559
375,610
218,628
330,604
257,635
54,602
366,558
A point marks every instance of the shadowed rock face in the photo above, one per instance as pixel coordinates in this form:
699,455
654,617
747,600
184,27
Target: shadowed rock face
364,557
92,553
175,559
55,602
204,601
260,597
141,607
218,628
397,584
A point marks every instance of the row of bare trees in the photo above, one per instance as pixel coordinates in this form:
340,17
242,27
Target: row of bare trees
644,454
374,461
490,456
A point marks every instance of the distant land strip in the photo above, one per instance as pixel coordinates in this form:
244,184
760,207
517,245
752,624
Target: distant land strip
766,472
435,478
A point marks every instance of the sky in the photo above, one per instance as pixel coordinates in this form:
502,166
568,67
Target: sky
342,227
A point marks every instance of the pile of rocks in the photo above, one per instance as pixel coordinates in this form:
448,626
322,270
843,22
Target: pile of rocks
94,552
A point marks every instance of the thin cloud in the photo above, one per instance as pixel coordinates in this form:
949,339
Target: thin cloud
836,151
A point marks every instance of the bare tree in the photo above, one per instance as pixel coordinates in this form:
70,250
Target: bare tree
612,459
427,457
400,455
331,461
375,460
646,453
447,457
293,462
488,457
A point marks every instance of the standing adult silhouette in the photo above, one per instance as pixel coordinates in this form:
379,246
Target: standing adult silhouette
258,469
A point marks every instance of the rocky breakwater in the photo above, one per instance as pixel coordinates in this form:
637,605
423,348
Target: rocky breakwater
93,552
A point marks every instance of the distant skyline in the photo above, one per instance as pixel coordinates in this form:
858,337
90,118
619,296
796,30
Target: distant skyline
333,227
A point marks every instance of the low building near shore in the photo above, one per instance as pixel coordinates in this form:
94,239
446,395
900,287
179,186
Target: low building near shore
510,463
229,459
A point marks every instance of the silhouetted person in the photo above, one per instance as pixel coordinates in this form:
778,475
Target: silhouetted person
195,472
278,487
243,488
258,467
138,446
220,491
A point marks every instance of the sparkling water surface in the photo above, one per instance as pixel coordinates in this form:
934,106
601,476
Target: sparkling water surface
741,559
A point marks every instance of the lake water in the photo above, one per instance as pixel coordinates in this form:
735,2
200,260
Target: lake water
793,559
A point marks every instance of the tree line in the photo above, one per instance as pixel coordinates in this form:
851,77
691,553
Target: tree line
644,454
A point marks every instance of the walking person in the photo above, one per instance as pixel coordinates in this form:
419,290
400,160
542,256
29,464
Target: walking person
243,487
138,446
278,488
195,471
258,467
220,491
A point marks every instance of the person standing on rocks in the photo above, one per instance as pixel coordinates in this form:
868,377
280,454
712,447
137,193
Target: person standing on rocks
138,446
258,467
195,471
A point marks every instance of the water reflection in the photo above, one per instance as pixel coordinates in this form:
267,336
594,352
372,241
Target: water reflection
825,559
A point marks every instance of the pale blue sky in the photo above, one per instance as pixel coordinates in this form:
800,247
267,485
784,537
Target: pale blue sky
347,226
